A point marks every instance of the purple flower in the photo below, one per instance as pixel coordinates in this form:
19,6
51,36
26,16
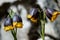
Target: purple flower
17,21
17,18
33,14
8,24
51,14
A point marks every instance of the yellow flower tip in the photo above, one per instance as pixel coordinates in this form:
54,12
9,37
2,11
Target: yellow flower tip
7,28
29,16
19,25
14,23
55,13
54,16
33,20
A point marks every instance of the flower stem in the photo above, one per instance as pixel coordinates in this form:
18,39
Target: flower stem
14,34
43,25
15,38
43,28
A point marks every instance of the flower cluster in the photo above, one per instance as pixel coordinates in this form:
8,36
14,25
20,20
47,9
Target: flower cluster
50,13
16,21
11,23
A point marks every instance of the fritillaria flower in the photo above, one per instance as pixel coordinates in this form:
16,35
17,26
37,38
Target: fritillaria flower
52,14
33,14
12,22
8,24
17,21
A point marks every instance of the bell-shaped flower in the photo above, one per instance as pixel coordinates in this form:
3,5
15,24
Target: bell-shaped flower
17,21
33,14
52,14
8,24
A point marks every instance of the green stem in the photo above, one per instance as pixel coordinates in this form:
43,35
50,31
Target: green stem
14,34
15,38
42,22
11,13
43,25
43,28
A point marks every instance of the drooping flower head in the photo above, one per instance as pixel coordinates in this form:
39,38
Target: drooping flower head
52,14
33,14
8,24
17,21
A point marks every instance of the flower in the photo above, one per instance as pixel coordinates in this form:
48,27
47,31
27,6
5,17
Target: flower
52,14
8,24
17,21
33,14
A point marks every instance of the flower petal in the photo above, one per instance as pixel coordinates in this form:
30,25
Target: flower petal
7,28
